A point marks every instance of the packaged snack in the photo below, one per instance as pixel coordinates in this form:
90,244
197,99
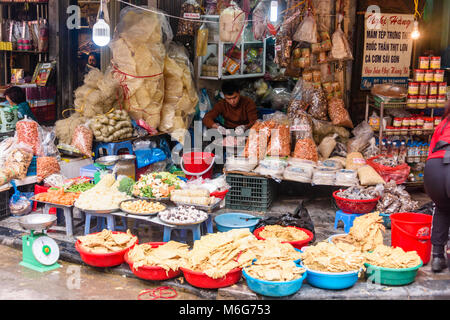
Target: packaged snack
82,140
46,166
338,113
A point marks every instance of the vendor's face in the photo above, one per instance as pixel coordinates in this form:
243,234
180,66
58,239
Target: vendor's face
233,99
10,101
92,61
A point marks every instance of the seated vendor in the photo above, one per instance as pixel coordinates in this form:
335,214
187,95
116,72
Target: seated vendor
239,112
16,97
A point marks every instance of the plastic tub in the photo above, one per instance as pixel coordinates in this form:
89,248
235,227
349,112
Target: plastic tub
390,276
296,244
355,206
233,220
103,259
274,288
331,280
152,272
201,280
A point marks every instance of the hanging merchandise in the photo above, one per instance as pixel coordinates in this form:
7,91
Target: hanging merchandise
82,140
231,23
190,9
180,94
307,30
43,36
202,41
338,113
259,18
138,53
340,49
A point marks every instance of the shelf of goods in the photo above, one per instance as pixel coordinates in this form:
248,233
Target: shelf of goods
251,51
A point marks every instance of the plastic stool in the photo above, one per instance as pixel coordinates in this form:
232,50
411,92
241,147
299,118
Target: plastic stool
205,227
196,231
346,218
111,224
112,148
102,224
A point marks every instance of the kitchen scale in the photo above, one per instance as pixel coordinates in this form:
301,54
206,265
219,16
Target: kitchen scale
39,252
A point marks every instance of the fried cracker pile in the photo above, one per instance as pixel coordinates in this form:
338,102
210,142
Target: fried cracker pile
275,270
168,256
107,241
328,257
269,250
283,233
216,254
389,257
366,232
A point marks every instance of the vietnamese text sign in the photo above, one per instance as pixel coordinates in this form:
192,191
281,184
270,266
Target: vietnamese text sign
387,49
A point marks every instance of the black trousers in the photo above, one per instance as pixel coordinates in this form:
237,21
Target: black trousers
436,176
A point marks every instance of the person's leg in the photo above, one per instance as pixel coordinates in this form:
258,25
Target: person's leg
435,179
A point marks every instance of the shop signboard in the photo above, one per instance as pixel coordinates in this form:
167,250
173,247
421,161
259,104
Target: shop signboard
387,49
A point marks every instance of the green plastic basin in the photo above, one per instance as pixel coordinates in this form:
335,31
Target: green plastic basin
390,276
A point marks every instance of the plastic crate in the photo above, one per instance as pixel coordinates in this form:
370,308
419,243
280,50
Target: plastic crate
249,193
4,204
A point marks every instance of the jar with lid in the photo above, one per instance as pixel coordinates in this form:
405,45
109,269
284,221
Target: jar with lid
442,88
435,62
438,75
419,130
420,122
437,121
428,124
429,75
424,62
390,130
421,102
440,101
419,75
423,88
405,122
403,131
411,101
413,88
397,122
431,101
433,88
413,122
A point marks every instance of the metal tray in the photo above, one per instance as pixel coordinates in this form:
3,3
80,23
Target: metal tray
99,211
182,224
153,199
200,207
37,221
140,214
53,204
70,153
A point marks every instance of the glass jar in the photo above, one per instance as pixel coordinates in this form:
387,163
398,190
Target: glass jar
431,101
438,75
390,130
442,88
429,76
437,121
420,122
126,166
440,101
424,62
413,88
421,102
435,62
433,88
413,122
423,88
405,122
419,130
411,101
398,122
428,124
403,131
419,75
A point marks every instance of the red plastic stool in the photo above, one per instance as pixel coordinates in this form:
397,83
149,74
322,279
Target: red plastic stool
41,189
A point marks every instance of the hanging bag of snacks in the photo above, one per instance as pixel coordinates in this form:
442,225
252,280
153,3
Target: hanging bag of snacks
307,30
338,113
28,132
82,139
231,23
340,49
259,25
202,41
190,11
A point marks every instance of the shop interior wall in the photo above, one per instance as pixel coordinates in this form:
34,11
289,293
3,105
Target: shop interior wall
434,37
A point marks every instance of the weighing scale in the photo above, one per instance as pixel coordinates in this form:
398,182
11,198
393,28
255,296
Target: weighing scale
39,252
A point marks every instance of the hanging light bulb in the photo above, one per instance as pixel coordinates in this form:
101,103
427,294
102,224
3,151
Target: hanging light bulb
101,33
273,11
415,34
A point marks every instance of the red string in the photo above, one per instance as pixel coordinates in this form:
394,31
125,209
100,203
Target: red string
159,293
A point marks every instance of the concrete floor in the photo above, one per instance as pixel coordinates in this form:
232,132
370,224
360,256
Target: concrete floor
119,283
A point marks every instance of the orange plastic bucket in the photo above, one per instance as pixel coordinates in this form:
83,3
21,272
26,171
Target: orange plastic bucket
412,232
197,164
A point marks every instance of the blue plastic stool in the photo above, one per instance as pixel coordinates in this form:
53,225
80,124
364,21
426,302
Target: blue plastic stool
196,230
112,148
101,217
346,218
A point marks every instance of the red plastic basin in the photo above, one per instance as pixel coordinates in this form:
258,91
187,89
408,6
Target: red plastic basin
355,206
296,244
152,272
103,259
201,280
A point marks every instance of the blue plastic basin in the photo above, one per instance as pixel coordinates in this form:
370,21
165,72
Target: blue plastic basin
331,280
274,288
228,221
